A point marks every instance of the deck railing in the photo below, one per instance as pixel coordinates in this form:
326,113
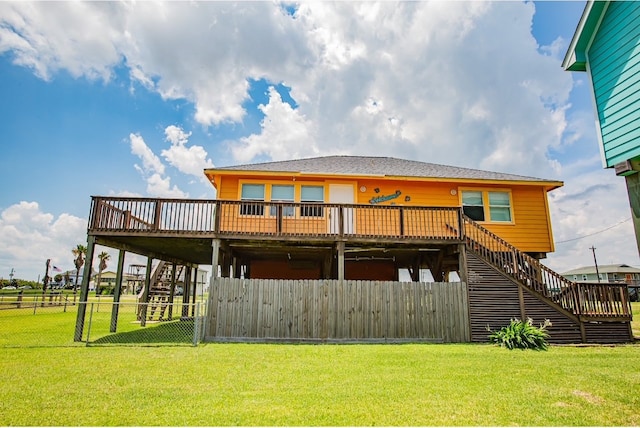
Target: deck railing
150,214
274,218
325,220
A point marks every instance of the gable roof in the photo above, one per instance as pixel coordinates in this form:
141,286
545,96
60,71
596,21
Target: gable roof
617,268
576,57
380,166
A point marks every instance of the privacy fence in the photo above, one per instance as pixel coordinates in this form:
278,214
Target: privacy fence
337,311
49,320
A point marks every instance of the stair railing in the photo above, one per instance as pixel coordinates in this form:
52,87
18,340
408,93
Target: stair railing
521,267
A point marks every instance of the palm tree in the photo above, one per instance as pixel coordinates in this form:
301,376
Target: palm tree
79,252
103,257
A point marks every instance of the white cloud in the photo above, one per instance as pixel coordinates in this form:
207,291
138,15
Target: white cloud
188,160
152,170
150,162
79,37
285,134
31,236
586,208
461,83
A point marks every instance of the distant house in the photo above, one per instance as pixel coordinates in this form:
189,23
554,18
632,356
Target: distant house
606,45
605,273
73,274
107,279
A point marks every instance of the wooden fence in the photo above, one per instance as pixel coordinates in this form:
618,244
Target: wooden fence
337,311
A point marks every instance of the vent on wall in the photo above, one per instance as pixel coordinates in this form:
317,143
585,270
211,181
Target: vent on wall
624,168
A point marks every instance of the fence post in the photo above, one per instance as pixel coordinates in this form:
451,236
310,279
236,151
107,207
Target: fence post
196,323
20,298
89,326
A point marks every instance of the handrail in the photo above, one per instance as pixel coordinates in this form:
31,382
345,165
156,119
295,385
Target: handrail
274,218
610,300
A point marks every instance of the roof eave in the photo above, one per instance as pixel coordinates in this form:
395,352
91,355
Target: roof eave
576,59
548,185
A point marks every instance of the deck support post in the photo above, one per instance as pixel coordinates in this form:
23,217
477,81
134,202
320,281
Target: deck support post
340,249
187,291
523,311
84,289
116,293
215,257
463,274
172,290
195,291
215,252
414,270
145,293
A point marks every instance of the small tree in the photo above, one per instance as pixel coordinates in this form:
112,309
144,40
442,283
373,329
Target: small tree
103,257
79,253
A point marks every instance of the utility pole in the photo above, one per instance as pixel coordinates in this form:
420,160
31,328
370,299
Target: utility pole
593,250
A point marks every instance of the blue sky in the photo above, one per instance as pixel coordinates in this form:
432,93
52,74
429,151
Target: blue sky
135,99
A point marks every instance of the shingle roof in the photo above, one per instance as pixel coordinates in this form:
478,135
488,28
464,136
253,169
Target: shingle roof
385,166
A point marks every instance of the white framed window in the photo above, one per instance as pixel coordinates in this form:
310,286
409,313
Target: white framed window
252,192
487,205
472,204
282,193
499,206
313,194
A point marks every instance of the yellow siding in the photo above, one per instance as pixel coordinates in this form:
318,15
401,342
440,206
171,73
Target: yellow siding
530,230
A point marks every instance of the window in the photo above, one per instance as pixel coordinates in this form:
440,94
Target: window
476,204
499,206
281,193
252,192
472,205
311,194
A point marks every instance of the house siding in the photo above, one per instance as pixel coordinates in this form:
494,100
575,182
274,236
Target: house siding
614,65
530,230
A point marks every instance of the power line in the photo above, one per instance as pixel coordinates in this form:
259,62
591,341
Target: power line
594,233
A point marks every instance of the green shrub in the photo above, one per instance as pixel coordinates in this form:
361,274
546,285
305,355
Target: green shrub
521,335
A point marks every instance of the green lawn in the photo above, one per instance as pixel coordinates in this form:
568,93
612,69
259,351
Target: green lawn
252,384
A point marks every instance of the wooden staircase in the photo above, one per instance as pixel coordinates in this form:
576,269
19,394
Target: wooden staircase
500,273
160,297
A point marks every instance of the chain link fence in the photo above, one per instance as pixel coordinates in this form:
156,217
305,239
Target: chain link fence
159,323
36,320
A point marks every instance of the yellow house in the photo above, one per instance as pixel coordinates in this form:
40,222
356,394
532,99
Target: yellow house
385,198
358,249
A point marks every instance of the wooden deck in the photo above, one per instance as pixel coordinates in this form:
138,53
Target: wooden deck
188,232
217,218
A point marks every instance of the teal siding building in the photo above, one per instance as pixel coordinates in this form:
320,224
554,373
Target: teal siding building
606,45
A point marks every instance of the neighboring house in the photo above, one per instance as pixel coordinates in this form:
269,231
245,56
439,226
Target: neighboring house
606,45
73,273
312,250
107,279
605,273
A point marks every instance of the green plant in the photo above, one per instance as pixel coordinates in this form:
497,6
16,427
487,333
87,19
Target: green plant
521,335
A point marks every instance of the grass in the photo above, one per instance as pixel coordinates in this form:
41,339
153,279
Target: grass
252,384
